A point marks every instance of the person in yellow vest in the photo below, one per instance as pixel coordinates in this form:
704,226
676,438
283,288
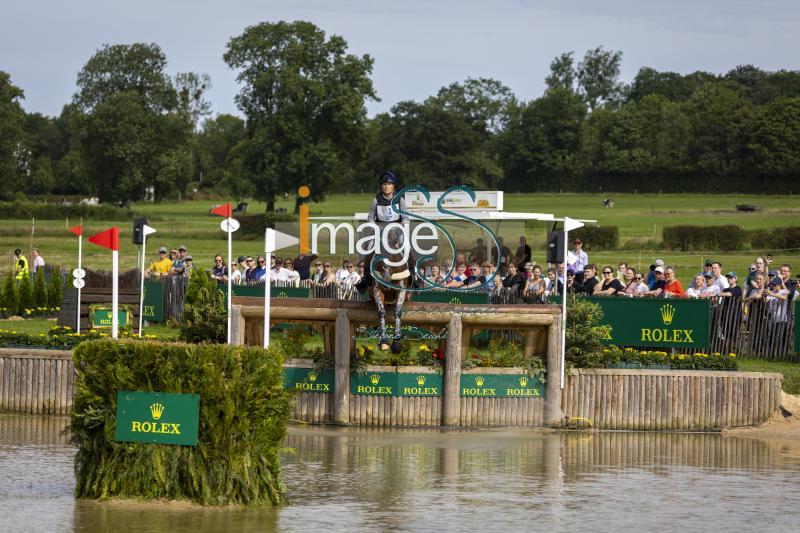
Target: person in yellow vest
20,264
162,266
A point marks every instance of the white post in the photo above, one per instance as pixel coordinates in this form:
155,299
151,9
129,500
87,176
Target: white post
230,292
80,246
142,252
568,225
269,247
114,293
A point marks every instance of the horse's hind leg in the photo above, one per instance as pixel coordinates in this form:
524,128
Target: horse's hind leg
398,313
378,295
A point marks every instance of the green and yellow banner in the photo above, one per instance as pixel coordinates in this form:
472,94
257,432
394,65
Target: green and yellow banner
157,417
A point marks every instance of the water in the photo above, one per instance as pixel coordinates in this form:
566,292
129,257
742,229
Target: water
401,480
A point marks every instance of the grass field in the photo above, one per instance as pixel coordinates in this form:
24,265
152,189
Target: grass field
640,218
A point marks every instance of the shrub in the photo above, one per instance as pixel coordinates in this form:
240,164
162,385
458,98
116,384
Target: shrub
584,334
21,210
698,238
25,305
204,314
614,356
11,295
40,290
775,238
597,237
244,411
54,292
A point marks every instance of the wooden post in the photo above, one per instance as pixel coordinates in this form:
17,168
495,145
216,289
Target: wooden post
452,374
341,392
531,336
552,399
237,326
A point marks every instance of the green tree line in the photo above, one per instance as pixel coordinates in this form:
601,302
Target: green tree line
132,132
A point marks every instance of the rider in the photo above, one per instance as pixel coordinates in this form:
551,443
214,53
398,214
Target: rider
382,213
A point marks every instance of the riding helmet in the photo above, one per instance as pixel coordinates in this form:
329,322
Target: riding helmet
388,177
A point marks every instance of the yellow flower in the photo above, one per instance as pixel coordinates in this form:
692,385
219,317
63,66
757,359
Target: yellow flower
424,348
681,357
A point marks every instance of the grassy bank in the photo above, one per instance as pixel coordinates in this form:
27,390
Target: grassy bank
790,371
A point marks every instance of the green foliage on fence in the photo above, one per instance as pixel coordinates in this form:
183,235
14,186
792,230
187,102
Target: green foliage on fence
615,357
204,315
43,211
584,334
597,237
243,416
688,238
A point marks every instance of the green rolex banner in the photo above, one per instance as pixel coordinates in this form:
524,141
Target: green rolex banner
157,417
501,386
656,322
452,297
308,379
153,308
396,384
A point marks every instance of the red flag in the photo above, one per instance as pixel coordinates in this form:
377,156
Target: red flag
223,210
77,230
107,239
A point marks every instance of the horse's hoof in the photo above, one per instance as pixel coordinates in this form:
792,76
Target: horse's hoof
397,347
384,346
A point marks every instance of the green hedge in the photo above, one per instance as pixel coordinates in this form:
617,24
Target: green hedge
43,211
719,238
596,237
243,416
775,238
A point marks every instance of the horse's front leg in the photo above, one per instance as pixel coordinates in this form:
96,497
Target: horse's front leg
398,313
379,298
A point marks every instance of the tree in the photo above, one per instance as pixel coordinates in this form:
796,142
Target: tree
598,77
11,295
215,143
54,291
772,142
39,290
303,97
137,122
482,102
25,296
562,73
11,133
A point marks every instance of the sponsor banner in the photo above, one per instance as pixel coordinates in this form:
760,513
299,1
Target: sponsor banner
157,417
396,384
484,201
501,386
153,308
452,297
656,322
308,379
102,317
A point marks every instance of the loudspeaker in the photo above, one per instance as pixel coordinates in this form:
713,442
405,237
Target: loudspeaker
555,246
138,238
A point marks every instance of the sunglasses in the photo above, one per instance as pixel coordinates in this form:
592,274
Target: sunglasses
249,261
638,278
351,267
218,260
318,264
607,272
327,265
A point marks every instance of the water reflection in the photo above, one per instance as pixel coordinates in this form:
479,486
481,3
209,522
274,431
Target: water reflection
356,479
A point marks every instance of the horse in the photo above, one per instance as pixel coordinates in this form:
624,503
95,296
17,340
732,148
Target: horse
384,290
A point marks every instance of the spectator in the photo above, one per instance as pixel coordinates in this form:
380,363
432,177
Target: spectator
436,274
660,282
523,254
610,286
220,271
733,289
577,261
589,280
631,283
513,279
534,288
188,265
250,273
719,279
242,264
459,277
551,286
759,291
708,266
673,288
328,276
475,278
302,264
317,277
353,278
179,264
478,253
641,288
236,274
342,273
759,265
622,270
38,260
697,288
528,272
20,264
785,273
505,255
360,268
261,267
776,297
711,289
572,288
162,265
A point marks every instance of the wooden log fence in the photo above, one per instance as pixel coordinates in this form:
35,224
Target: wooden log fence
36,381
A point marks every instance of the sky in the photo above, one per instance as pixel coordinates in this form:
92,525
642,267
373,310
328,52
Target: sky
418,46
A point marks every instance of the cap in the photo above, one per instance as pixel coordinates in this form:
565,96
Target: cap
659,262
708,262
660,269
162,250
188,258
570,271
708,275
182,247
776,281
730,274
240,259
773,272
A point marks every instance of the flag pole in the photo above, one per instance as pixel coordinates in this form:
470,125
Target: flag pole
80,246
114,293
230,293
269,246
141,284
